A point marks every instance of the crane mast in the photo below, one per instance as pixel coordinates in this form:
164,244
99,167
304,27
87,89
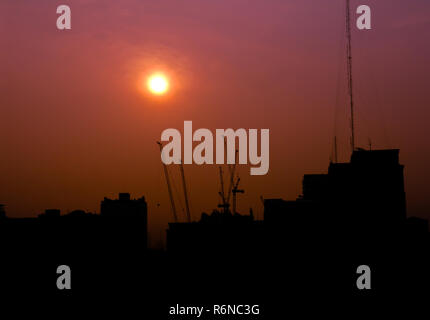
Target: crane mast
184,185
235,190
221,193
232,172
169,188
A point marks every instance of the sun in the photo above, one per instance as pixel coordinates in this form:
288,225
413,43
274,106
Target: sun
158,84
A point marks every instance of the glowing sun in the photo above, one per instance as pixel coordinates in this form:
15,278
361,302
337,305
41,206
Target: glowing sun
158,84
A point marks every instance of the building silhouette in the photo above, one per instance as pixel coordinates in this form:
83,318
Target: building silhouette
126,221
364,195
221,232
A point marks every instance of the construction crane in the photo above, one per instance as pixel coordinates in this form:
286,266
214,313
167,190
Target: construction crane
223,204
169,188
225,198
232,172
184,185
234,191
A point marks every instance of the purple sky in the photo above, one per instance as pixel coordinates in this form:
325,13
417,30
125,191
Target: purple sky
75,126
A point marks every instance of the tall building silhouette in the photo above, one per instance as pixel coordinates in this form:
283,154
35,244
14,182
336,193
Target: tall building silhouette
370,188
365,194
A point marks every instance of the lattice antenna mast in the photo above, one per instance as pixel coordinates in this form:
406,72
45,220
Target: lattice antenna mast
349,70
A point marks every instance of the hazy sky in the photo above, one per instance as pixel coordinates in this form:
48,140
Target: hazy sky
76,125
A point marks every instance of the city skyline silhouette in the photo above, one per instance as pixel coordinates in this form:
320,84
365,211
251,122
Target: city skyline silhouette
84,184
76,126
319,231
